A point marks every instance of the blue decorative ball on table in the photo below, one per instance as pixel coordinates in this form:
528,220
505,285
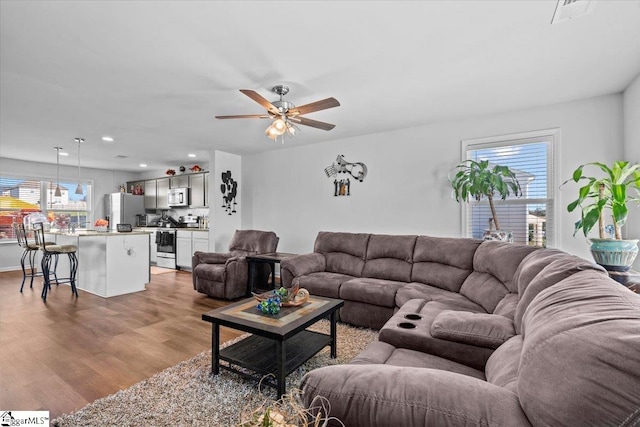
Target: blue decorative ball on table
270,305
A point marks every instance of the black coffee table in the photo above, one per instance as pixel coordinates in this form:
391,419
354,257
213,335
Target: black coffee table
279,344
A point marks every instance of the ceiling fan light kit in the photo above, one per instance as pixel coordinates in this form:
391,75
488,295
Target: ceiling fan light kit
285,115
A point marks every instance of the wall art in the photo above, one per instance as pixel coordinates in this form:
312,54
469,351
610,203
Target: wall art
229,189
342,187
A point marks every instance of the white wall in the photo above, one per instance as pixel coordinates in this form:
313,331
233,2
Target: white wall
631,102
104,181
407,190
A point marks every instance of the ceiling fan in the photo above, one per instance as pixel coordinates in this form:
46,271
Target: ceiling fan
285,114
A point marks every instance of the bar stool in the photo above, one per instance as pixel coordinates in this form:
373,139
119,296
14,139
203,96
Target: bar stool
50,254
30,252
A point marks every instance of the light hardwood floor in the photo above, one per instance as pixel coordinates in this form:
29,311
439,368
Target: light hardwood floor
61,355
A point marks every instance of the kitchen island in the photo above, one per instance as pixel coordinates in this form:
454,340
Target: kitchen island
109,263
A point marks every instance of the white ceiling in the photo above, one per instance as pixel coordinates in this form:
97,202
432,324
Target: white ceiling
152,74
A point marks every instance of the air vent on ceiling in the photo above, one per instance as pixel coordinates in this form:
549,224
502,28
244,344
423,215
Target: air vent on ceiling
569,9
120,156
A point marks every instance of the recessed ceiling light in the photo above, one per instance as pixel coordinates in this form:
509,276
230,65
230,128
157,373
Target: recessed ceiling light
64,154
143,165
191,155
107,139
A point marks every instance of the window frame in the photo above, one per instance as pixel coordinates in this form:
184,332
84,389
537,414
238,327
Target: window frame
45,206
553,161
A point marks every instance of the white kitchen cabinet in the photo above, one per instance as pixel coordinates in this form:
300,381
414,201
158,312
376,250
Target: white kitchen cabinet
200,241
188,242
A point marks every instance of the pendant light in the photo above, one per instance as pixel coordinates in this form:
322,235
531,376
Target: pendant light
79,187
57,193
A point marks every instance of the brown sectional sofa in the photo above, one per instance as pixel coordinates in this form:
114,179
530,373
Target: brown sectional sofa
474,333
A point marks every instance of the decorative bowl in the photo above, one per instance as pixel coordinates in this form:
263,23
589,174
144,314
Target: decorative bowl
101,228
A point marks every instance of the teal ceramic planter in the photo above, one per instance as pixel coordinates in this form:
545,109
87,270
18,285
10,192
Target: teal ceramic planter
618,254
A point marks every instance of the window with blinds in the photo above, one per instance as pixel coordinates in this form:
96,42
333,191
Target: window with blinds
530,217
20,196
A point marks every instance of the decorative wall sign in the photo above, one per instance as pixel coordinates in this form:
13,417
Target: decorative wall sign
357,170
229,188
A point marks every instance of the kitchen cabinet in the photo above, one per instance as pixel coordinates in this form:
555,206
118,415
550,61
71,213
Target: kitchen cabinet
150,194
187,242
206,189
196,183
180,181
132,185
162,187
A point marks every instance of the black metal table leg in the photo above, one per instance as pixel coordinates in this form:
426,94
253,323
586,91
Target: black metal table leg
273,274
334,347
215,348
281,374
252,269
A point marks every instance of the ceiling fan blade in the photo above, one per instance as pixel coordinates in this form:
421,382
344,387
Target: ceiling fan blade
314,106
261,100
245,116
313,123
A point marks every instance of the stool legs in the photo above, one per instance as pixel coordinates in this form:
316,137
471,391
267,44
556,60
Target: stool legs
24,271
31,255
47,259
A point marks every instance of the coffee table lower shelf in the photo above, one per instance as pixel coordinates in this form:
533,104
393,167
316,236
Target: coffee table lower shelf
259,355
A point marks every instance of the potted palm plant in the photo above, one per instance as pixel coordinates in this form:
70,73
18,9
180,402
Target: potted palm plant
613,192
481,179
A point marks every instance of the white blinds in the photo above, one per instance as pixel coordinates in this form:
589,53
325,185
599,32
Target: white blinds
529,217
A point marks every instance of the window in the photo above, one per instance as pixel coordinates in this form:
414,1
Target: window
20,196
530,156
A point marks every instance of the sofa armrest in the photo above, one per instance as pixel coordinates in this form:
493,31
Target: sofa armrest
479,329
300,265
385,395
210,258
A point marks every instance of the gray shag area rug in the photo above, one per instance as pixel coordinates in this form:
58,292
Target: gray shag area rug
188,394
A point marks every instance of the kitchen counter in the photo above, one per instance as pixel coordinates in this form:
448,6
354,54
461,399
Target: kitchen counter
109,263
81,233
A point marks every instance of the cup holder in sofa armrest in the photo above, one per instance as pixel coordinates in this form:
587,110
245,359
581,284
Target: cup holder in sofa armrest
412,316
406,325
479,329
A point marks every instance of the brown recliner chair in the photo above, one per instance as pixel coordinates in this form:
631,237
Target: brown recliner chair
225,275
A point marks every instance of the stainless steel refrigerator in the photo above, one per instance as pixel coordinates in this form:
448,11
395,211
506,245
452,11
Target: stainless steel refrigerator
122,208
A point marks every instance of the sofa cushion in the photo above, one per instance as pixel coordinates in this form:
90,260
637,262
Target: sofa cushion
385,395
581,353
501,260
502,366
389,257
494,265
212,272
557,267
484,330
507,306
443,262
323,284
431,293
344,252
379,352
371,291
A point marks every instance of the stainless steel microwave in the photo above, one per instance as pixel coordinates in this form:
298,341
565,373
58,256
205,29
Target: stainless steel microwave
178,197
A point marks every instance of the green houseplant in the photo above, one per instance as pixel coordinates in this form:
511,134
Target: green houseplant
613,191
481,179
